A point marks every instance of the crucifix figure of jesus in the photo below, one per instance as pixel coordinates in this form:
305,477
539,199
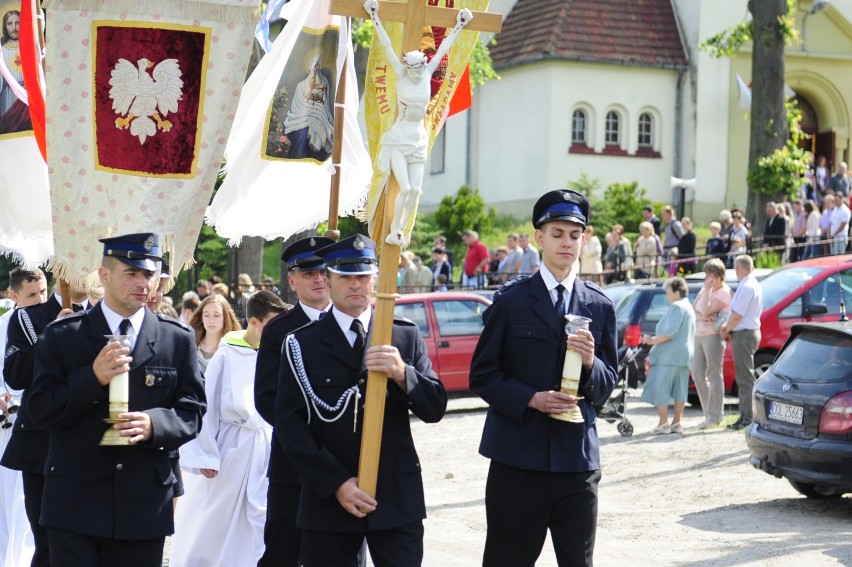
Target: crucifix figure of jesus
406,144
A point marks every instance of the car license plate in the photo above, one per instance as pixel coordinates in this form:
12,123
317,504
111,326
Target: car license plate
786,412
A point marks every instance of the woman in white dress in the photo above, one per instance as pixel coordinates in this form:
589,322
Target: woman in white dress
591,265
647,250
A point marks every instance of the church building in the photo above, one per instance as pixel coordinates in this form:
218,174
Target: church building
620,91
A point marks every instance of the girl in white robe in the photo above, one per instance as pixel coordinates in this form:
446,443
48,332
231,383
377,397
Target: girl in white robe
219,521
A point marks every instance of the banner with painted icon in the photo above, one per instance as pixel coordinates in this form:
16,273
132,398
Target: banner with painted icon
279,153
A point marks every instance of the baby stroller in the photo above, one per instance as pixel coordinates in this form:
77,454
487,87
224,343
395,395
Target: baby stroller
628,377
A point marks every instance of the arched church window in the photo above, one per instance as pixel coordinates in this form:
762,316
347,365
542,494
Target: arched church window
578,127
646,130
612,135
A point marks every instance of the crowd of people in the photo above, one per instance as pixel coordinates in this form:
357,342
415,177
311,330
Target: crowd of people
815,223
692,337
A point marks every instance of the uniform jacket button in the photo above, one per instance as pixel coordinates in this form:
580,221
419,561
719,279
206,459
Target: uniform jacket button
119,467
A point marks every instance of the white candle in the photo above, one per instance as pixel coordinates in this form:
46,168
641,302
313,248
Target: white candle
571,372
119,389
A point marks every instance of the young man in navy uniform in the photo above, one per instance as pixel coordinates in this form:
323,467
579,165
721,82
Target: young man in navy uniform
544,472
27,449
319,409
112,505
306,276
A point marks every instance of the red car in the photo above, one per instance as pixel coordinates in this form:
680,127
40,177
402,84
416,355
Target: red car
807,291
450,323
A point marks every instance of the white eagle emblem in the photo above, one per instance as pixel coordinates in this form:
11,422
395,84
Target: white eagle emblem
137,97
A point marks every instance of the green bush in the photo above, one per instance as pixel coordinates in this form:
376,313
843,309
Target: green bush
465,211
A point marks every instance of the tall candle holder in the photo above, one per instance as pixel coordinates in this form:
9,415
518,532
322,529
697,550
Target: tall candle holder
571,370
119,400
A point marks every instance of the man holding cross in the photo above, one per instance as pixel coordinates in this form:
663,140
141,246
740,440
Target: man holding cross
319,410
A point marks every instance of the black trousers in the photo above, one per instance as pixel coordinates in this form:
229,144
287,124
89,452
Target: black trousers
33,492
282,538
397,547
521,505
71,549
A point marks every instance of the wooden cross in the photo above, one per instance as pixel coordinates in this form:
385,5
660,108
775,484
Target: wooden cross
414,15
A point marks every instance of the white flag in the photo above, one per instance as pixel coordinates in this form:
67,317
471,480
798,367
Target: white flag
279,152
745,93
26,233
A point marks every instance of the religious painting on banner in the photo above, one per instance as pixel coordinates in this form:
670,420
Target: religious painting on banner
380,90
141,99
14,112
300,124
279,154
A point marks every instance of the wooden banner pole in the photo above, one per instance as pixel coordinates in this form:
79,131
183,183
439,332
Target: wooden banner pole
337,154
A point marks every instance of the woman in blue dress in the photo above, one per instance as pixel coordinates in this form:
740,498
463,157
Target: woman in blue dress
671,357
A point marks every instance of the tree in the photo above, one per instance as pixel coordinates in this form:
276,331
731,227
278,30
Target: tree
465,211
769,29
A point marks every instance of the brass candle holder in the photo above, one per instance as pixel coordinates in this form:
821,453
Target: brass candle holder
571,369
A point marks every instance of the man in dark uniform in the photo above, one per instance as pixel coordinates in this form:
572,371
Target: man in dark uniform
544,472
306,275
319,409
27,448
112,505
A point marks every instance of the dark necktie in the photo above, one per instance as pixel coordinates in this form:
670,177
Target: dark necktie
76,307
124,326
322,314
360,338
560,301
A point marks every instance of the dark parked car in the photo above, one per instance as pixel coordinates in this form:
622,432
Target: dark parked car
802,428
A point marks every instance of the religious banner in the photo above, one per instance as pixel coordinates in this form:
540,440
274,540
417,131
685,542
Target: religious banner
279,154
380,90
141,99
25,226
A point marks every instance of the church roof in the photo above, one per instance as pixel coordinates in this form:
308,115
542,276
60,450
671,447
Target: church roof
624,32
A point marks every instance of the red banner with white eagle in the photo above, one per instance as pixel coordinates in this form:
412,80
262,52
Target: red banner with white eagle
140,100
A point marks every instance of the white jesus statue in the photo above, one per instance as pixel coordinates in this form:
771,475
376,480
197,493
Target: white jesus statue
405,145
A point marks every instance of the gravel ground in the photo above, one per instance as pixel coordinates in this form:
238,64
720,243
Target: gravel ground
673,500
686,500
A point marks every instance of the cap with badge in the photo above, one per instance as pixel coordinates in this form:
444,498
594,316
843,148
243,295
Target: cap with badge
302,254
353,256
561,205
140,250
